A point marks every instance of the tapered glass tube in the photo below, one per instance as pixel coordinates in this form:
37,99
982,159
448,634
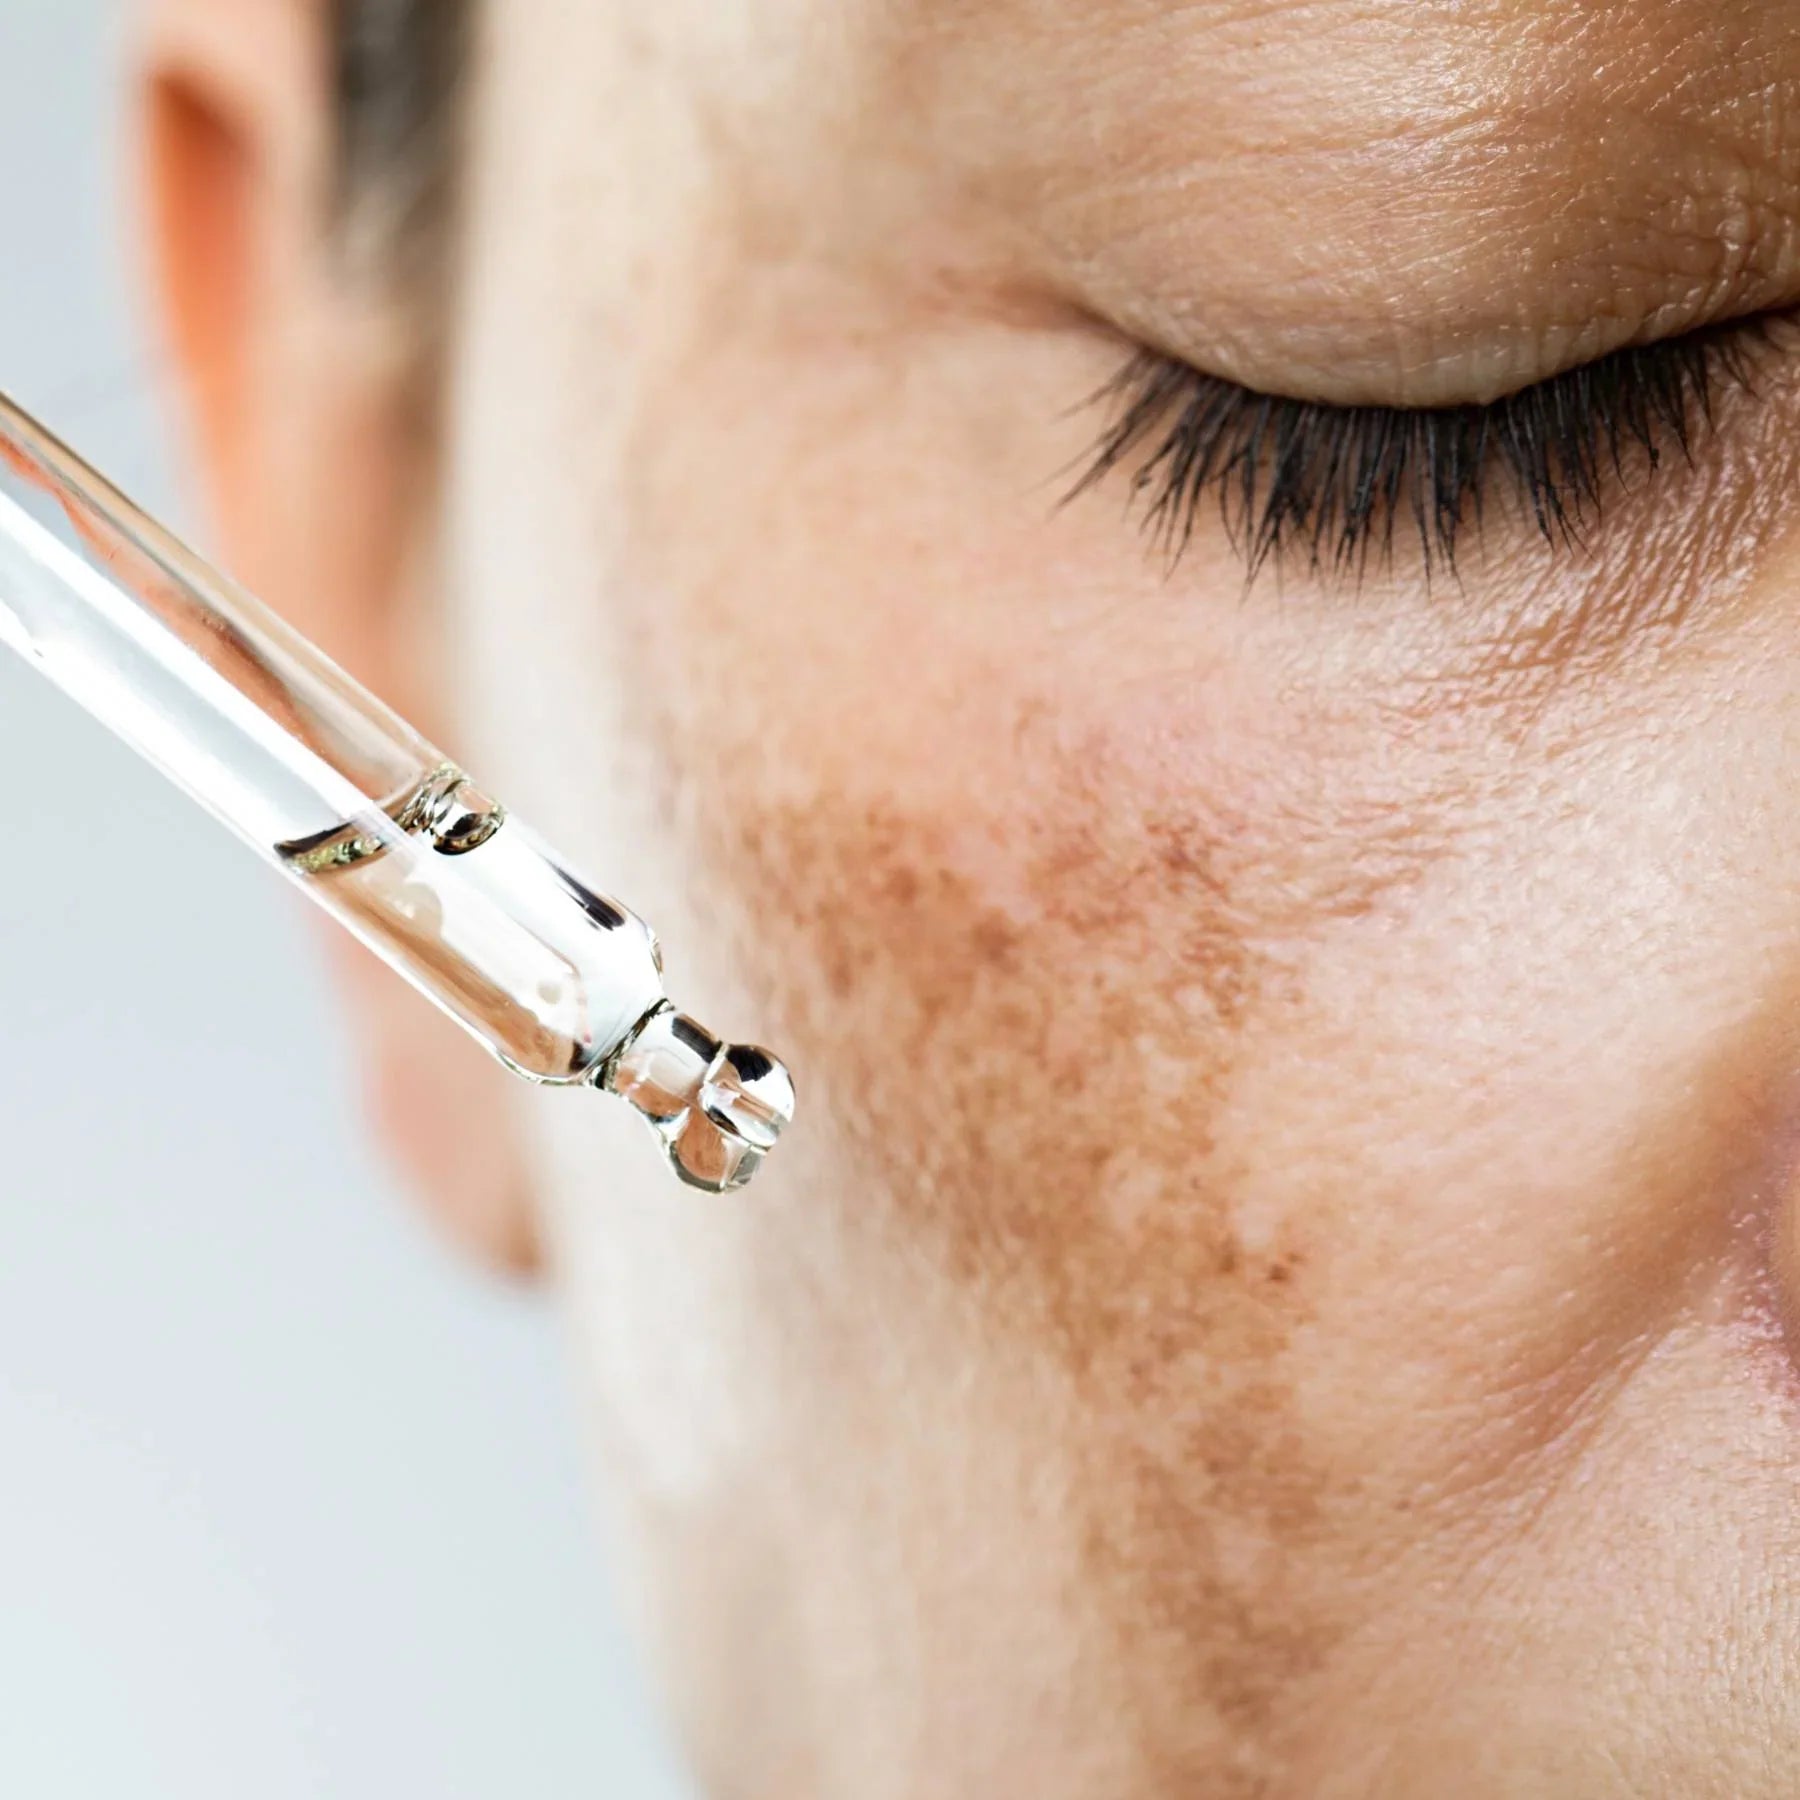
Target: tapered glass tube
371,821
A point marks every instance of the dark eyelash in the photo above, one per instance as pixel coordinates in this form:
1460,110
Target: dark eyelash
1331,483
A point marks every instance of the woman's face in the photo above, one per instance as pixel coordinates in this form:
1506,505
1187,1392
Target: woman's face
1277,1285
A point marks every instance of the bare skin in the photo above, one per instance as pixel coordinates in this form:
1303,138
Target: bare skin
1280,1285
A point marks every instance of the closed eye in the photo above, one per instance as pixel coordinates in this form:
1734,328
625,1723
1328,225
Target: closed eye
1332,484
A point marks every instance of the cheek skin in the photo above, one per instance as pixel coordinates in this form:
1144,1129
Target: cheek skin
1334,1091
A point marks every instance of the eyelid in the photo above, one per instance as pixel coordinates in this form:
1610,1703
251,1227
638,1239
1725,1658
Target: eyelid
1332,481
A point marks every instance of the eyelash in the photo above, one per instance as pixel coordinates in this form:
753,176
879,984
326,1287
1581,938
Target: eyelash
1331,483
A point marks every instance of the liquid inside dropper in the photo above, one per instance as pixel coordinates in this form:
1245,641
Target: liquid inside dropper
551,974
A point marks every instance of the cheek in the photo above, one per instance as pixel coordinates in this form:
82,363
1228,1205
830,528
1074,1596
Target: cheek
1047,869
1056,865
1334,1077
1035,859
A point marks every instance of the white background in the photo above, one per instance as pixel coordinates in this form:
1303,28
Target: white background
290,1504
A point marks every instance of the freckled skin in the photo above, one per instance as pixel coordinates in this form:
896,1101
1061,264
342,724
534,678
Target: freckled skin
1281,1282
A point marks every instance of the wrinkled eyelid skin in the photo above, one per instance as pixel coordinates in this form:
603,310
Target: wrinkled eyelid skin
1384,204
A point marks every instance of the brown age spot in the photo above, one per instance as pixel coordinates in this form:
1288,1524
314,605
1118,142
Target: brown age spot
1069,987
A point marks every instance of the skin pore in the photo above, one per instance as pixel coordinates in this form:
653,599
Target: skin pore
1280,1283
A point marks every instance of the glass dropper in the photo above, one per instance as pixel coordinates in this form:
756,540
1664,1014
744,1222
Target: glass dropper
563,985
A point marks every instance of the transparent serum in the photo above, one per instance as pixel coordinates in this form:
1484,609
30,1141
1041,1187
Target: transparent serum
561,983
